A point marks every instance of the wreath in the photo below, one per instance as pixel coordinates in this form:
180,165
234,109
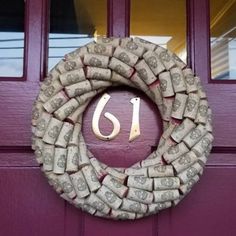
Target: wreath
168,174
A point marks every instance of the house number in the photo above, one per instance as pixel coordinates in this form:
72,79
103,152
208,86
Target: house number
135,127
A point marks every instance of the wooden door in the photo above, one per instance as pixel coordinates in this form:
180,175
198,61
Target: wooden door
29,206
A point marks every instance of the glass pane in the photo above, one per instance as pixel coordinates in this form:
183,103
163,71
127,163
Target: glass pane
74,23
11,38
223,42
161,22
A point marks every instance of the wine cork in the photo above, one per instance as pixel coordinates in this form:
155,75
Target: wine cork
136,171
200,147
144,43
166,84
169,130
86,97
115,185
74,139
68,65
122,215
39,145
178,80
80,185
53,181
165,183
166,195
133,206
185,161
98,73
65,110
195,135
108,41
97,203
64,135
145,72
156,207
48,156
36,112
96,60
190,81
106,50
66,198
209,121
160,171
78,88
66,185
79,52
74,117
150,162
140,182
55,102
189,173
42,124
47,81
91,178
120,67
100,172
192,106
82,204
116,78
125,56
118,175
72,77
84,159
72,158
179,105
202,160
156,93
52,131
133,47
185,188
165,57
167,108
200,90
106,195
50,90
98,84
154,62
201,116
178,61
165,146
140,195
175,151
59,161
139,83
182,130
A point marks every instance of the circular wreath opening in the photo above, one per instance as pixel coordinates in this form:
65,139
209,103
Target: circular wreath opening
168,174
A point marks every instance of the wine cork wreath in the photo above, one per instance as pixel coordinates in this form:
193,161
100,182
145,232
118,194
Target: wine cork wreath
168,174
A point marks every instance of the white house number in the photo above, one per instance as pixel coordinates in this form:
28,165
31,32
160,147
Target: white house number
135,127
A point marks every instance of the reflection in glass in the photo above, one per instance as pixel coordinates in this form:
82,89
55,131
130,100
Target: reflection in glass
11,38
160,22
74,23
223,42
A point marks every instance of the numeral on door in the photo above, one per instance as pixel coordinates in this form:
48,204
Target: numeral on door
135,127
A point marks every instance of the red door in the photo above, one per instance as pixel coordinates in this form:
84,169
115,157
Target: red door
29,206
